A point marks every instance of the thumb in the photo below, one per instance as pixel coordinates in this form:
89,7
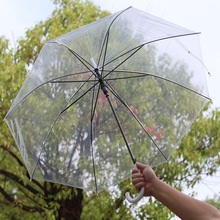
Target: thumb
140,166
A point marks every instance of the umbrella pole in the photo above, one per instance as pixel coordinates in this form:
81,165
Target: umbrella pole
105,91
141,193
121,129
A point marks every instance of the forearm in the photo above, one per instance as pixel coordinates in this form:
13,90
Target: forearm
182,205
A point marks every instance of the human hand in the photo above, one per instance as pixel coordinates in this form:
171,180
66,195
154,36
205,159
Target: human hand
145,178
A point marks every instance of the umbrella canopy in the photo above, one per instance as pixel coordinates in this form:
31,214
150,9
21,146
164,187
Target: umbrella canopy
65,127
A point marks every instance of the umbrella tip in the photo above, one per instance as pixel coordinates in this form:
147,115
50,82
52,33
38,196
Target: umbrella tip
93,63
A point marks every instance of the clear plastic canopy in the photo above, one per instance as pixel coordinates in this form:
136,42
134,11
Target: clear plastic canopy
62,122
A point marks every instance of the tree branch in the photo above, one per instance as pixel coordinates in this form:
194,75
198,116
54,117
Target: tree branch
6,195
35,181
23,191
24,207
118,202
18,180
13,155
21,164
91,198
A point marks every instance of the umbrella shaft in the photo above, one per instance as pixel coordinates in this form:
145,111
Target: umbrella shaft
105,91
120,127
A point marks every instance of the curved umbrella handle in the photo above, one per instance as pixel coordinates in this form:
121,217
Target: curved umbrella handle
138,198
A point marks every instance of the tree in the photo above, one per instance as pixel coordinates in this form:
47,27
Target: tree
48,200
214,201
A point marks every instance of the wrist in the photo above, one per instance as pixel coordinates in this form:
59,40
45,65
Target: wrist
156,186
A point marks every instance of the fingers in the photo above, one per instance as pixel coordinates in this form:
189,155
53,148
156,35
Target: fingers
135,171
137,176
140,166
138,180
143,176
139,186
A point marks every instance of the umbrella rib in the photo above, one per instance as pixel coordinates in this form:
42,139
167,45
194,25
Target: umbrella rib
159,77
49,81
106,46
65,76
73,81
80,58
60,113
93,112
124,103
137,49
107,35
79,97
153,41
111,79
91,133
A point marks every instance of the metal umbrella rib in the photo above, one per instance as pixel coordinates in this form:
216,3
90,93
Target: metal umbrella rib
66,106
141,74
136,118
105,42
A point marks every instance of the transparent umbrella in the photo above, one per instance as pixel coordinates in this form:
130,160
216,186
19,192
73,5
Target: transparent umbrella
121,89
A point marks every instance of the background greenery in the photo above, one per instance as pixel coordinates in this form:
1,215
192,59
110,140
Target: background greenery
197,154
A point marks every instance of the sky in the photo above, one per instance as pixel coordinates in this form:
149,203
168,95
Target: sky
197,15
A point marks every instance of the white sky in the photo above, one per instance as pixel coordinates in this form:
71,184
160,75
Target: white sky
198,15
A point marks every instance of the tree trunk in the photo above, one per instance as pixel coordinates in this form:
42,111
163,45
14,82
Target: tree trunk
71,209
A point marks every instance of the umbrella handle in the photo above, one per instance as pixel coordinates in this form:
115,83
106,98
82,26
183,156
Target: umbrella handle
138,198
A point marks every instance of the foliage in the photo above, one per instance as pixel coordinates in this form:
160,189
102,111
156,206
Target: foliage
197,153
214,201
